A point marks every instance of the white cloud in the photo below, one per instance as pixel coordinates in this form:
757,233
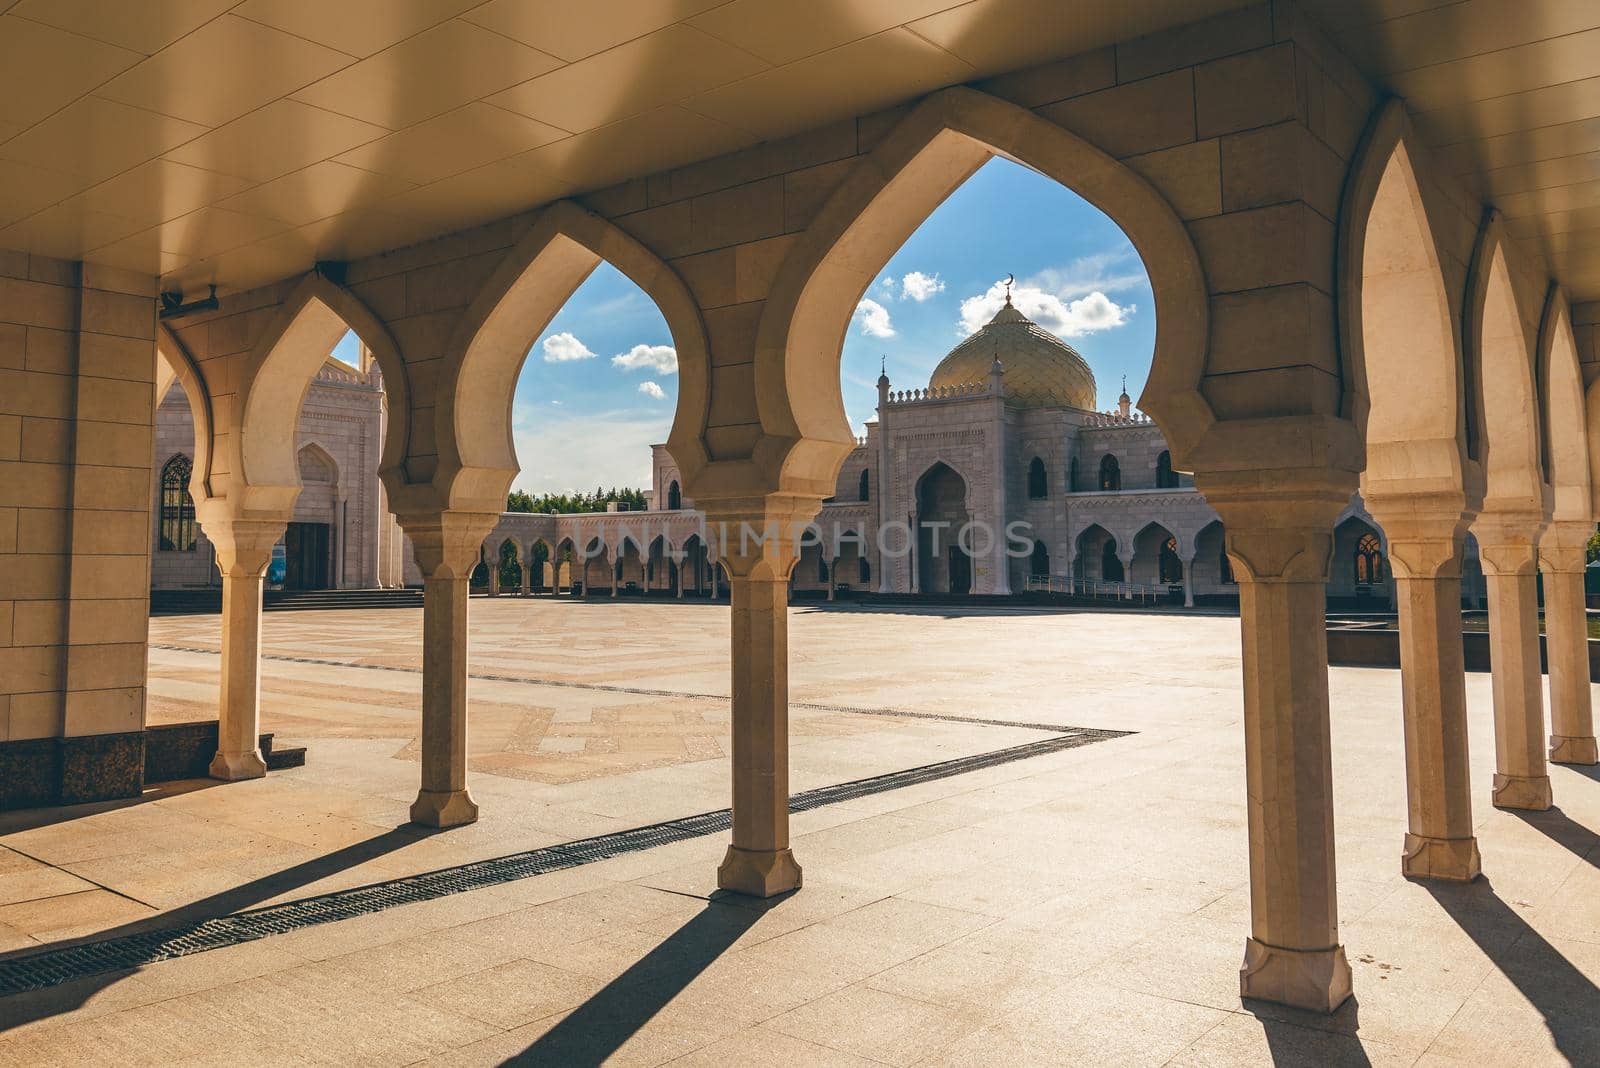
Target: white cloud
566,450
650,389
1063,317
874,318
662,359
1112,271
564,348
886,287
919,287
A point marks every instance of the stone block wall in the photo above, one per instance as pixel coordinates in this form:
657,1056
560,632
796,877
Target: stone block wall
77,374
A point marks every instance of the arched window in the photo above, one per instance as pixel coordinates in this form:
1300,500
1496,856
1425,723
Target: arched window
1039,563
1110,562
1166,477
1110,473
1369,560
1038,481
674,497
1169,566
177,507
1072,476
866,571
862,487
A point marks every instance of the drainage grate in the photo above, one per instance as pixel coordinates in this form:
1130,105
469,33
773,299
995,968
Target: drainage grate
52,967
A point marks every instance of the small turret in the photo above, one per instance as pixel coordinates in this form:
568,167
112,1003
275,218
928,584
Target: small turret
1124,402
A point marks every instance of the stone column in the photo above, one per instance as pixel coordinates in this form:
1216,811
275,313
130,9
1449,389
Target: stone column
1188,582
446,544
1506,548
1562,559
1425,549
758,861
1280,536
613,565
527,562
833,578
244,549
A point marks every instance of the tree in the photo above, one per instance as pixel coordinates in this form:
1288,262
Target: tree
1593,548
520,501
567,504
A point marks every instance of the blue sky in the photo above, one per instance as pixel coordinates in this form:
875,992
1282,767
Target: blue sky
600,384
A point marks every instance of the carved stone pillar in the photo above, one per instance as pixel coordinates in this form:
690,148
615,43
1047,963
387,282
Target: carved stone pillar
244,549
528,563
446,544
1562,559
760,550
1426,537
1506,548
1279,537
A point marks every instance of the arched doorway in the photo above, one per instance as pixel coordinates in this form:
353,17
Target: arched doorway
944,565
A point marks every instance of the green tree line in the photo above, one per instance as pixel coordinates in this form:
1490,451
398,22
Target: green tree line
568,503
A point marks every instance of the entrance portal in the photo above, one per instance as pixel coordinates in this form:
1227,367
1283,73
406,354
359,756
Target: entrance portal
306,547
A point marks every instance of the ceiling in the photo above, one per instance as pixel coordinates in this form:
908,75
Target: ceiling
239,141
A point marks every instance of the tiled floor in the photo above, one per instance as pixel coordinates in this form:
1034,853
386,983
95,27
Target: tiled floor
1088,906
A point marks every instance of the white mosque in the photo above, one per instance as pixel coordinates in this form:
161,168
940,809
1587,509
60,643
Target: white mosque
1012,480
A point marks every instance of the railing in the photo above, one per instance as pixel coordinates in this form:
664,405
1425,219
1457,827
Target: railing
1096,588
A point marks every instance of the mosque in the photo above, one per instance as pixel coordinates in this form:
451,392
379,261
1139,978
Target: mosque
1012,480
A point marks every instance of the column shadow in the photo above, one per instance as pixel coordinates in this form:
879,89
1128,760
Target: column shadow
1566,832
592,1032
1300,1037
1568,1000
32,1005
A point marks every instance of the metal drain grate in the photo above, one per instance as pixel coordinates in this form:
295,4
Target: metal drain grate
48,968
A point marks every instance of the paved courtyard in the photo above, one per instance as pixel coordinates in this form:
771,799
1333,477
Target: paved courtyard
1079,904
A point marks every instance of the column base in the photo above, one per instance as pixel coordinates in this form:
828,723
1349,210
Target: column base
443,808
1569,750
1516,791
759,873
1315,979
1452,859
232,767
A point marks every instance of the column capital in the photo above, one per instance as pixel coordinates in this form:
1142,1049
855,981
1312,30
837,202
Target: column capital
1279,525
1424,531
447,542
1508,541
1563,547
759,537
244,546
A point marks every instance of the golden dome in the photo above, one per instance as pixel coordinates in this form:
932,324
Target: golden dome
1041,370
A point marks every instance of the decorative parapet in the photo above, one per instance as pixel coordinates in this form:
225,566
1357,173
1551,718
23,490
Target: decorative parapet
331,374
935,394
1114,419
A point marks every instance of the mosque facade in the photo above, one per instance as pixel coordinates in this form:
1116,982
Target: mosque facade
997,478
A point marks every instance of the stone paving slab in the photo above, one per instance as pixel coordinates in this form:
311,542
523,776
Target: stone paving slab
1085,906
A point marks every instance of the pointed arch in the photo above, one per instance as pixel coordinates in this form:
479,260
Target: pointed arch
319,461
1398,339
279,371
1562,405
805,436
1501,357
174,363
477,459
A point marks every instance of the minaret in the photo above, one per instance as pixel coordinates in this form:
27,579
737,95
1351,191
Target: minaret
880,492
998,564
1124,403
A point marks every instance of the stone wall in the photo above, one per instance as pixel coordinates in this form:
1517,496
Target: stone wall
77,373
